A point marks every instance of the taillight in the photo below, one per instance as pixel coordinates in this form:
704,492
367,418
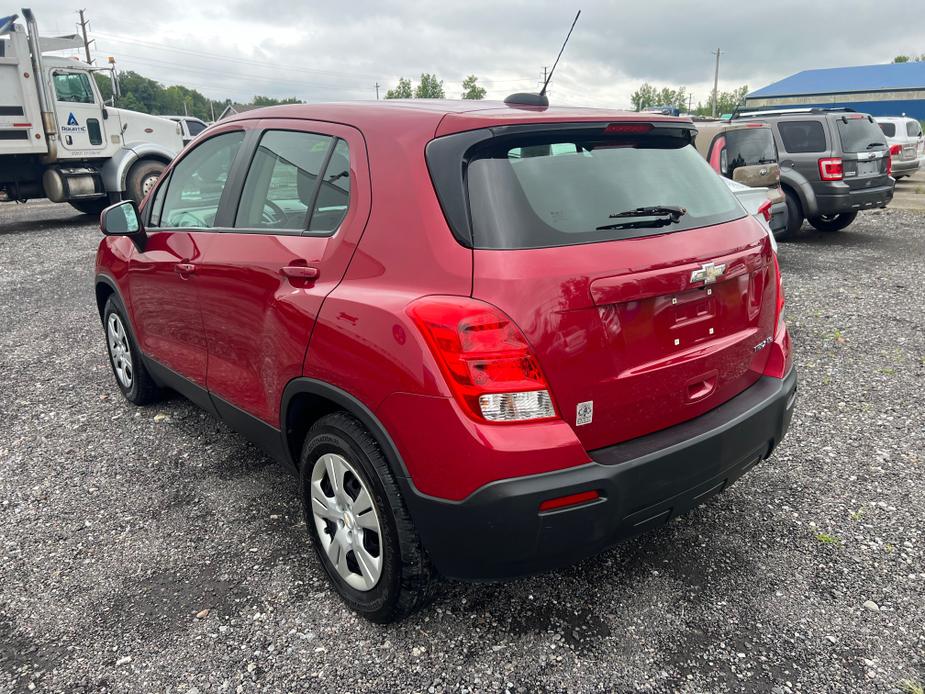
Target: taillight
896,150
830,169
779,309
485,358
764,209
889,166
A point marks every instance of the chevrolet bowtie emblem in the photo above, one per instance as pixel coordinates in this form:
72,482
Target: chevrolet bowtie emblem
709,273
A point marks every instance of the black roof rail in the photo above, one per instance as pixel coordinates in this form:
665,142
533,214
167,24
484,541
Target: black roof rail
770,112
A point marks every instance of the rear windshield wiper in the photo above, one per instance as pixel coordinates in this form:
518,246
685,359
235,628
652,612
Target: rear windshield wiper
673,214
876,144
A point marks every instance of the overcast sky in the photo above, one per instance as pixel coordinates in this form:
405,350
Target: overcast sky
323,51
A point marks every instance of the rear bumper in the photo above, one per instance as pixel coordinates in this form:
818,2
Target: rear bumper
904,168
840,198
498,532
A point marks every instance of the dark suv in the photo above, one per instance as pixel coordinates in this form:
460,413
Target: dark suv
492,339
834,163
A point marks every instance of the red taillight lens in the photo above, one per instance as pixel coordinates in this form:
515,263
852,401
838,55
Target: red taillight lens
779,311
570,500
628,128
764,209
895,150
889,166
831,169
485,359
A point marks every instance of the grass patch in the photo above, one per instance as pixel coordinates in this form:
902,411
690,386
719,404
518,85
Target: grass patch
911,687
827,539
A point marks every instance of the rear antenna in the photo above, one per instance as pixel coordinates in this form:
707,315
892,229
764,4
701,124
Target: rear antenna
529,99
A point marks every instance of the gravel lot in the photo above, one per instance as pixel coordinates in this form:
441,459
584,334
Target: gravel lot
118,525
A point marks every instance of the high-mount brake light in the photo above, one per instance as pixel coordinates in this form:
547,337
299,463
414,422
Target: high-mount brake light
628,128
485,359
830,169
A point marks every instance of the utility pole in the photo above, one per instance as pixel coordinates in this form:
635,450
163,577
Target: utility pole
83,30
690,100
212,109
716,84
377,91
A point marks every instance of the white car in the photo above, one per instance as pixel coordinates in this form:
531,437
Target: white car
906,142
756,202
189,126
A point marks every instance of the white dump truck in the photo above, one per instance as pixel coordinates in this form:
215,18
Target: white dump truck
58,139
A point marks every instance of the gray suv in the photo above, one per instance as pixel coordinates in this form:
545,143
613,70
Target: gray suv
833,164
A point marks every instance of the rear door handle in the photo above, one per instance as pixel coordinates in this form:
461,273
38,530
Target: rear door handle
300,272
184,269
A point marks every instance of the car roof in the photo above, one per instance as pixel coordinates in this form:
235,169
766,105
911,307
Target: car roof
444,115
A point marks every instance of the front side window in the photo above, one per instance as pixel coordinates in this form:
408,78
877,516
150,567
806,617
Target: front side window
282,181
542,194
802,136
195,127
196,184
73,87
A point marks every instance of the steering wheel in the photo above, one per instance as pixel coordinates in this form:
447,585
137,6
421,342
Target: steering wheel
186,220
272,216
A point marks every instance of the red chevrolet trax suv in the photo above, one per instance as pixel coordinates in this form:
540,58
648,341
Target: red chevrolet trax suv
492,339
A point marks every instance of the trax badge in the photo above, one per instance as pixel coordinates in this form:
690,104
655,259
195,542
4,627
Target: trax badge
709,273
764,343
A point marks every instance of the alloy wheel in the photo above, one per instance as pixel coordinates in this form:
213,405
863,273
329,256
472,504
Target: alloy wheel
119,350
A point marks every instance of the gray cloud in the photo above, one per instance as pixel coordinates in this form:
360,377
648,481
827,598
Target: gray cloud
324,51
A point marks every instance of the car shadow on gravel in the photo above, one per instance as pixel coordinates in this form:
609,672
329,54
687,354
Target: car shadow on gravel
14,227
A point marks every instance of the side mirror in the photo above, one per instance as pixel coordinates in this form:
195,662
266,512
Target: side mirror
122,219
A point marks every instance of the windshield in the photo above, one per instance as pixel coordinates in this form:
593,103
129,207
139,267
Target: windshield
747,147
859,134
535,194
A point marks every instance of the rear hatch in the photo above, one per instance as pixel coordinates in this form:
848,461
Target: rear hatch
636,327
864,151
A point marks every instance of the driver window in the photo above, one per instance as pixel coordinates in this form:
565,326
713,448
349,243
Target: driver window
73,87
282,179
197,181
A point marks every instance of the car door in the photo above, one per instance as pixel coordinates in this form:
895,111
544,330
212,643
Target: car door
302,206
161,277
79,112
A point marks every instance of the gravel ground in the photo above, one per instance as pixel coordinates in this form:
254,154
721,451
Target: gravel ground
118,525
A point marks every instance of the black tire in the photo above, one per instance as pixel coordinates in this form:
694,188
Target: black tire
794,217
141,177
833,222
93,207
407,579
141,390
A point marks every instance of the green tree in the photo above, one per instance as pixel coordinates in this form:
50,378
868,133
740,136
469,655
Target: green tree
429,88
271,101
471,90
909,58
402,91
644,97
726,102
901,59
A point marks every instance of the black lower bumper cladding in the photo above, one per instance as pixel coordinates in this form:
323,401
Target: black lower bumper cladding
499,532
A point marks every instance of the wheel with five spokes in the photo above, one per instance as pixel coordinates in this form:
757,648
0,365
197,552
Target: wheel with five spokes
124,356
358,523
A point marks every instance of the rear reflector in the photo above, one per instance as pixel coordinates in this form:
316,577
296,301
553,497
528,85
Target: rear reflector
628,128
570,500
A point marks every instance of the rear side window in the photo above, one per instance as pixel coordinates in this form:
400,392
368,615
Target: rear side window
859,134
802,136
913,129
281,183
748,147
535,193
333,199
889,129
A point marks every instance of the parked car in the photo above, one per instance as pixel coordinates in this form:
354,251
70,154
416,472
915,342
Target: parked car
756,202
746,153
906,142
190,126
493,340
834,163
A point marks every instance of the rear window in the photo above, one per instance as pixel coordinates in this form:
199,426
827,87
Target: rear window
859,134
802,136
889,129
536,194
748,147
913,129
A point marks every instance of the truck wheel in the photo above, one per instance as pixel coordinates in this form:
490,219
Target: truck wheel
833,222
794,217
141,179
358,523
94,207
125,359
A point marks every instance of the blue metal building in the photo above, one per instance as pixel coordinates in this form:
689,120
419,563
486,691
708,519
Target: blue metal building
880,90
